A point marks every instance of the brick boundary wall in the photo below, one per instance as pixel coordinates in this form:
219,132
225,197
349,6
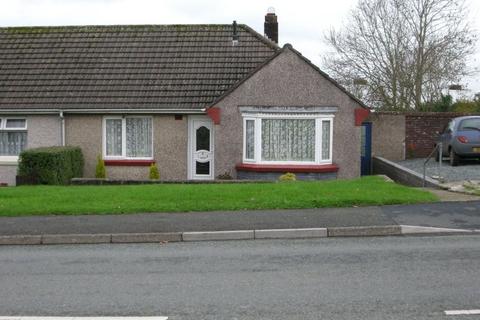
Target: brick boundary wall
421,131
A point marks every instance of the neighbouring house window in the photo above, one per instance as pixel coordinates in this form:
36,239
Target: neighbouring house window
139,137
113,137
129,137
13,136
287,139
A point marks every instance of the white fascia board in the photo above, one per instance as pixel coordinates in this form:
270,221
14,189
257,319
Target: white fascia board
102,111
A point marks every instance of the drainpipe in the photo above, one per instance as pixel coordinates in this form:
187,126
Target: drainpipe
62,125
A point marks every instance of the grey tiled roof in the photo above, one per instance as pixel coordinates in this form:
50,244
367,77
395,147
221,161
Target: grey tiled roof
151,66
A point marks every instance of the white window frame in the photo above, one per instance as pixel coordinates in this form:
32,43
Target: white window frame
3,128
255,156
124,138
3,124
319,118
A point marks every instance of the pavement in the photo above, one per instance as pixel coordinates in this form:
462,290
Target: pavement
441,217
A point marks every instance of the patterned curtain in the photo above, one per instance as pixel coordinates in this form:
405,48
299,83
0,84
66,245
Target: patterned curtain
288,139
139,137
12,143
250,139
325,140
114,137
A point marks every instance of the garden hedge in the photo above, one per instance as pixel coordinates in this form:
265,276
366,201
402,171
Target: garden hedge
51,165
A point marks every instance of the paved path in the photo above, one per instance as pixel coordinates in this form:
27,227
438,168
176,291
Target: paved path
464,215
196,221
456,215
447,196
340,278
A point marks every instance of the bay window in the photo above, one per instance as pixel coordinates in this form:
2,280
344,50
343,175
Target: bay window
287,139
13,137
128,138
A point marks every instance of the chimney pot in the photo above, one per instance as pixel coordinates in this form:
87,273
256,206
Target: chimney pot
271,25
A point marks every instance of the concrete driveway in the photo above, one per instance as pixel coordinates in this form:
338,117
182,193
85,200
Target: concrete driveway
467,170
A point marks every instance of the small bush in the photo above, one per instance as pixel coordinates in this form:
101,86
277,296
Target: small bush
225,176
288,177
51,165
100,172
154,174
411,151
466,106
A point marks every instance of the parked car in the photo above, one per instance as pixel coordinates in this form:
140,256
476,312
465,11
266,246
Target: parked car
460,139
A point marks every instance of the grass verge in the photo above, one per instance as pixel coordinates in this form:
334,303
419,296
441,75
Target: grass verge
74,200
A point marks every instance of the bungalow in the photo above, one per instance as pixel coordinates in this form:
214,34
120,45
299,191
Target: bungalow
201,101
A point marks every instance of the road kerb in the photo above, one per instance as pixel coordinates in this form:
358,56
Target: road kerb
291,233
20,239
361,231
365,231
146,237
218,235
76,238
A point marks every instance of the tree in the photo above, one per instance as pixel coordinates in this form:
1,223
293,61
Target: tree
405,51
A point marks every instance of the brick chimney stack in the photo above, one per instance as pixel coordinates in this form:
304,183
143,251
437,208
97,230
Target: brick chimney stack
271,25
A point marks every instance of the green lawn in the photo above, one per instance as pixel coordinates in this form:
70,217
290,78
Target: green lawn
42,200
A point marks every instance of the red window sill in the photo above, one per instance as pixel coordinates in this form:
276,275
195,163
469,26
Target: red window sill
286,168
129,163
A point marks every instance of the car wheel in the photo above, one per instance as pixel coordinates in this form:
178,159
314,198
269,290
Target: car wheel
454,158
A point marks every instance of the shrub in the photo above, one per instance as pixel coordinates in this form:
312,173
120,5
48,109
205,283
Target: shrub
154,174
288,177
51,165
410,150
466,106
100,171
225,176
444,104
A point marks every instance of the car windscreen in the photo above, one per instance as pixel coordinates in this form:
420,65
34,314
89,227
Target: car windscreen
470,124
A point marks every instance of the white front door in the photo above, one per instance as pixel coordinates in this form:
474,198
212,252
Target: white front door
200,141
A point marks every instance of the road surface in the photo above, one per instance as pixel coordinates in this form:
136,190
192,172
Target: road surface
341,278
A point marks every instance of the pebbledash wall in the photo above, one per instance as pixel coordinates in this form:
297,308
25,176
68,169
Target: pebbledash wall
397,136
289,81
42,131
169,146
388,135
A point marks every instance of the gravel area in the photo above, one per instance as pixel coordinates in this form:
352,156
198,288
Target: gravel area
467,170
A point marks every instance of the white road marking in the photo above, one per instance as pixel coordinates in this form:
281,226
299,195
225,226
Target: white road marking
82,318
459,312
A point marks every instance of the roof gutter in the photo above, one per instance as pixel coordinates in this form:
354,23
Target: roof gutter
101,111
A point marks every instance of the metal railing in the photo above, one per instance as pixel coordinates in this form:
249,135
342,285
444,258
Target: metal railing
439,148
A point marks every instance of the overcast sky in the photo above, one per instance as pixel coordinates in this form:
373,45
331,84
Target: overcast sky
301,23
